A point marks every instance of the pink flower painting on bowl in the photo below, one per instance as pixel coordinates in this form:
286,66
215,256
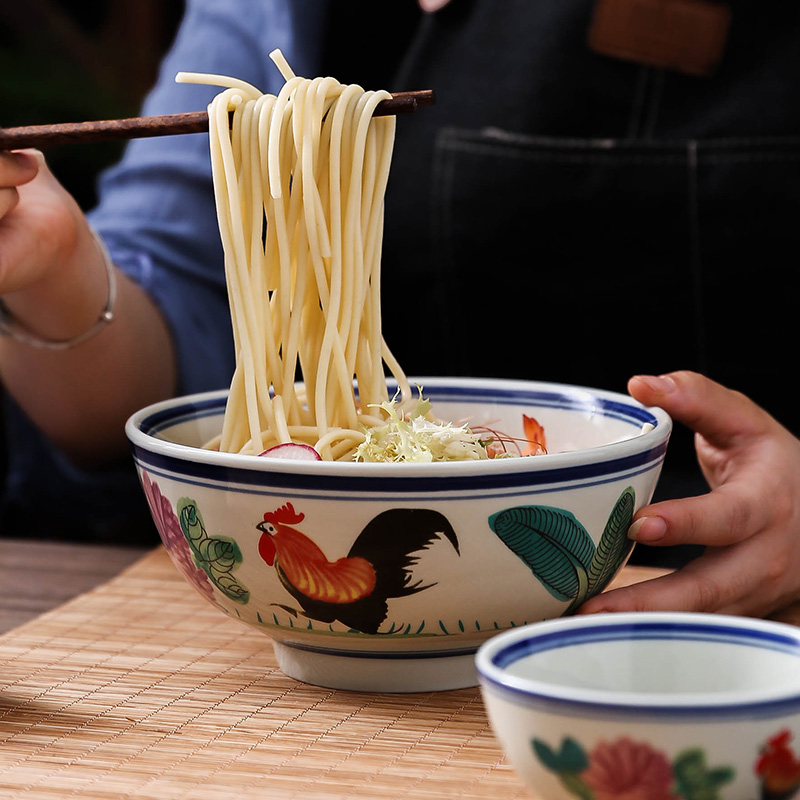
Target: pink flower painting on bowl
628,770
172,536
625,769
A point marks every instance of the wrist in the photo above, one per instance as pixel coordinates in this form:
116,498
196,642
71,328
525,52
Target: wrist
10,326
61,312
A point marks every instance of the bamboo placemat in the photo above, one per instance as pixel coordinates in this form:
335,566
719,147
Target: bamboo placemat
141,689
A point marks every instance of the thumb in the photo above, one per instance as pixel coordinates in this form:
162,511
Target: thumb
41,230
19,167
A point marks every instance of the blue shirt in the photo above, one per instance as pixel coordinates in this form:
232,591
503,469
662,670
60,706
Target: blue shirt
156,214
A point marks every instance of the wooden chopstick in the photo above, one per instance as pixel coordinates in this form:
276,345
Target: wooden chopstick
141,127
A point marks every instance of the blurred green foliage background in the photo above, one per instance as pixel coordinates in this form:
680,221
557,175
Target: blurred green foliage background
75,60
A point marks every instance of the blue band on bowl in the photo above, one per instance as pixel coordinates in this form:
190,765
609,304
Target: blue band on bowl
515,690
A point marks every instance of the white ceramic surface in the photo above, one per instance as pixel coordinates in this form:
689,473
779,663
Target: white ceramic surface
648,705
460,550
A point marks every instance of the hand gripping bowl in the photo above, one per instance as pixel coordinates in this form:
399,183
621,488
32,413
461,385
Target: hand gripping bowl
648,705
387,577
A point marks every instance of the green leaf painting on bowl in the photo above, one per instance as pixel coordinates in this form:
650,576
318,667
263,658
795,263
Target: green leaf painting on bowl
217,556
559,551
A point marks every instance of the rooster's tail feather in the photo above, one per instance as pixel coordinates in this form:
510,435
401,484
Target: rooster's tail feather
390,540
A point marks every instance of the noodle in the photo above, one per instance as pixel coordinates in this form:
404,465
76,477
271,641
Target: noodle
299,184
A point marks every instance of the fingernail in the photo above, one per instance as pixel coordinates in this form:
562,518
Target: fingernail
659,383
647,530
25,159
432,5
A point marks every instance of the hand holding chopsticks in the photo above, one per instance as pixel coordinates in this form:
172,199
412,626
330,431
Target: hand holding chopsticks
40,136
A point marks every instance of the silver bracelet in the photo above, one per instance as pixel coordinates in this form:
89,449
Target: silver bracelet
12,328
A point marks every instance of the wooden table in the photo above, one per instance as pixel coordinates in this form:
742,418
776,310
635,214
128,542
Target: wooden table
37,575
141,689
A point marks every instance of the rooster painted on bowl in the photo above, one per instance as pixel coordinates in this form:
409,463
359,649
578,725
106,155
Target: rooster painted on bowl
388,577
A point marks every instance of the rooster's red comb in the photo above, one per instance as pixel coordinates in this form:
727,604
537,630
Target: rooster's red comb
285,515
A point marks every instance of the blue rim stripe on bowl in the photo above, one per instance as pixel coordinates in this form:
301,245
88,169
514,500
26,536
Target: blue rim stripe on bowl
391,655
612,409
512,688
599,472
196,409
645,630
200,469
766,709
635,415
291,486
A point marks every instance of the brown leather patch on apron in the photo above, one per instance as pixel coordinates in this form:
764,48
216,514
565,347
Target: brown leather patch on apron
684,35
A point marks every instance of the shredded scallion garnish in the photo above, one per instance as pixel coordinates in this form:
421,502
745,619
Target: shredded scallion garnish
413,437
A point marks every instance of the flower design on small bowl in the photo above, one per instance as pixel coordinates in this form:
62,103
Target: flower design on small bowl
632,770
629,769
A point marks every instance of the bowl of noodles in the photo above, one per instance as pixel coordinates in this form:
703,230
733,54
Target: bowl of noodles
378,528
387,576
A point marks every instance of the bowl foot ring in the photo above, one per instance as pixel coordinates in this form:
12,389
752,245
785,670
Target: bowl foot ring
370,672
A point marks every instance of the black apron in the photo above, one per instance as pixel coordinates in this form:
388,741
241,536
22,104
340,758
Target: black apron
565,216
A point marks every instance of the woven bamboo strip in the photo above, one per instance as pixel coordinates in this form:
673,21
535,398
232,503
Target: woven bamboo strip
141,689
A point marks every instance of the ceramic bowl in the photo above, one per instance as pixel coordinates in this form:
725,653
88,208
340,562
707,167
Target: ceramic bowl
387,577
648,705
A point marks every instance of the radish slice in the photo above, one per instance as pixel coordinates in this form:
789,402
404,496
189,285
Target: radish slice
298,452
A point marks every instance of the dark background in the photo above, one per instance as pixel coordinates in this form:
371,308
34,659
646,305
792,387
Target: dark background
63,61
77,60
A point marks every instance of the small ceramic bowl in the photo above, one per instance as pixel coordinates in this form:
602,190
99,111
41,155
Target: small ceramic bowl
654,706
387,577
